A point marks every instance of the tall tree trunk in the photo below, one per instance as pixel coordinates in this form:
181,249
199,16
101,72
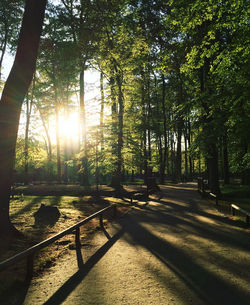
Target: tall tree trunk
212,162
58,144
120,131
178,150
96,163
114,130
14,91
160,148
210,142
48,143
102,111
164,128
189,144
168,153
173,173
161,159
84,176
117,175
149,124
29,104
3,50
144,123
225,159
66,146
26,141
186,151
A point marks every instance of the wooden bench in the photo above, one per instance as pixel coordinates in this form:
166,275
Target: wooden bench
235,207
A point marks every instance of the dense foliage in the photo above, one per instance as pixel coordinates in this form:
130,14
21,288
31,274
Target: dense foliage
173,99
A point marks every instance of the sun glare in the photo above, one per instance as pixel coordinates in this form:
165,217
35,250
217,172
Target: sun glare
69,127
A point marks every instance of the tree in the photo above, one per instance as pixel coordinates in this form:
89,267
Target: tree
10,18
29,105
14,91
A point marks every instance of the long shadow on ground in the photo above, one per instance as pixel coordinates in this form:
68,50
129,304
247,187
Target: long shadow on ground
211,275
204,276
63,292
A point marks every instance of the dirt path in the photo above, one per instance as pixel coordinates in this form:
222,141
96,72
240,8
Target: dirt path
178,250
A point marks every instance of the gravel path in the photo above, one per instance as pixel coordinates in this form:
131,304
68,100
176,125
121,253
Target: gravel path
177,250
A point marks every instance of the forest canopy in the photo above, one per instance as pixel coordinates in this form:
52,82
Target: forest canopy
126,90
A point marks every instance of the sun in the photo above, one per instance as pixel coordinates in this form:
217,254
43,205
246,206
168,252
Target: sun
69,125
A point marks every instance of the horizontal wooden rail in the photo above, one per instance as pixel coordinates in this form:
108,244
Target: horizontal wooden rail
235,207
29,253
215,197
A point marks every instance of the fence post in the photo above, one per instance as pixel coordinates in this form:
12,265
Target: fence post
115,211
199,184
203,187
77,238
101,221
102,227
30,266
233,211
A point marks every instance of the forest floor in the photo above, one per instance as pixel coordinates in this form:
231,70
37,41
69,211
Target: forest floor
73,208
176,249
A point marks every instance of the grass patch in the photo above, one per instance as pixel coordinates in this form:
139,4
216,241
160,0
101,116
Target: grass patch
74,203
236,191
237,194
72,209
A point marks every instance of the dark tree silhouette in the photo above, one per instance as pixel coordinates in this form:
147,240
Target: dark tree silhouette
14,92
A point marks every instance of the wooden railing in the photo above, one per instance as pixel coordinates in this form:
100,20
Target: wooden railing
215,197
202,185
30,252
234,208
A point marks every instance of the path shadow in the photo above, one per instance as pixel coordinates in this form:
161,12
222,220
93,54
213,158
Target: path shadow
28,206
202,278
16,293
62,293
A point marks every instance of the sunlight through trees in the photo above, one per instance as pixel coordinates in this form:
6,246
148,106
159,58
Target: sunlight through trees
126,90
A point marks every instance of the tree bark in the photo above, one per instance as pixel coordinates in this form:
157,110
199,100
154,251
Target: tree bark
66,145
120,130
144,119
114,130
14,92
149,124
186,151
26,141
225,159
178,150
3,50
29,106
165,155
58,144
84,176
189,157
212,164
116,176
102,111
48,143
